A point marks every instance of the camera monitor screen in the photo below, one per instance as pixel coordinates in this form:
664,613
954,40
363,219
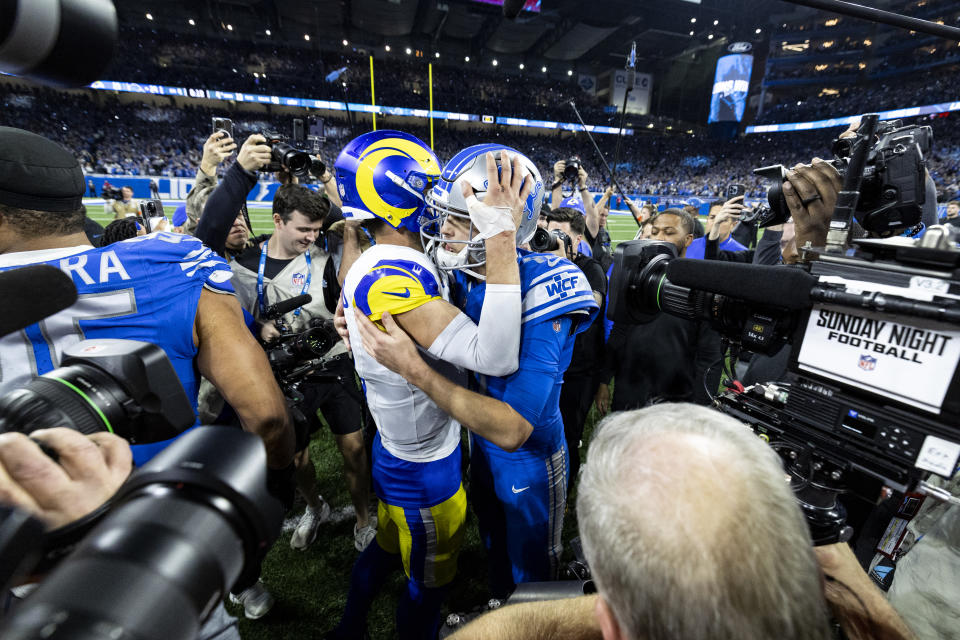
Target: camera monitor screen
730,87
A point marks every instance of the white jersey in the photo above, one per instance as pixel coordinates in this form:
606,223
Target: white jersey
397,279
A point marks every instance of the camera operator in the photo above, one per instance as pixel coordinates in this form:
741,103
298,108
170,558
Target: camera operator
666,358
720,222
286,264
126,205
580,379
723,553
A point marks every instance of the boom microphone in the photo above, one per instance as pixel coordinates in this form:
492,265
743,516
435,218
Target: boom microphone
284,307
21,285
512,8
774,286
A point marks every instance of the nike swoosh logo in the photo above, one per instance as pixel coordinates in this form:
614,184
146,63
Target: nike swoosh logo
515,490
405,294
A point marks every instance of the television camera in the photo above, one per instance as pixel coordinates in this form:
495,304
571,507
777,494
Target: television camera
871,399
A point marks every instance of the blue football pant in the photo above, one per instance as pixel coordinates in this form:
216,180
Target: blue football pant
519,502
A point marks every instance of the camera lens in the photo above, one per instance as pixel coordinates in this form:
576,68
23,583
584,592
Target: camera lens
79,397
293,160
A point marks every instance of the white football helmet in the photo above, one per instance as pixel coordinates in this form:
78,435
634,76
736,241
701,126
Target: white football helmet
446,199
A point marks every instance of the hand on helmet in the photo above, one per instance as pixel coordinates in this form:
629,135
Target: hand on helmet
502,208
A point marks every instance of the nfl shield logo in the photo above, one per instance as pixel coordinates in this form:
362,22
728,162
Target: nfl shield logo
299,279
868,363
556,326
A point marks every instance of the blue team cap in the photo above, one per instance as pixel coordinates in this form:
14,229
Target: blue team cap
180,216
574,202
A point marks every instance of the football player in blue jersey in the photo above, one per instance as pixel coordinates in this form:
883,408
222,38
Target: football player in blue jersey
519,496
163,288
382,177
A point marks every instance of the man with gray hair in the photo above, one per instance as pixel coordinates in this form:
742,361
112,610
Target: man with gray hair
691,531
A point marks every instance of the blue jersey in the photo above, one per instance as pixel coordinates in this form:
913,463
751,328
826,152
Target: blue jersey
146,288
558,303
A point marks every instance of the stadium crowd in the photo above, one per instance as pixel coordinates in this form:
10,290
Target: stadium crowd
111,137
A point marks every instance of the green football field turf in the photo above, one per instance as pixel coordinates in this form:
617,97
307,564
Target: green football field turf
310,587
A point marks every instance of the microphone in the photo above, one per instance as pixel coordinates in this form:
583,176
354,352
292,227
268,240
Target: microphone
284,307
512,8
632,67
23,284
774,286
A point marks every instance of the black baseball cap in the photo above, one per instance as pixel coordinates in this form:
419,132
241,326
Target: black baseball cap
39,174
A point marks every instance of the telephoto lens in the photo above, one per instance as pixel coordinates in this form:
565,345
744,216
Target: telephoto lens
125,387
175,541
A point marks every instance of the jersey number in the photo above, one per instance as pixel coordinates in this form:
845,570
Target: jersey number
38,348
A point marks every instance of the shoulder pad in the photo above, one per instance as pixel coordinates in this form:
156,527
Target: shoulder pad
396,286
552,287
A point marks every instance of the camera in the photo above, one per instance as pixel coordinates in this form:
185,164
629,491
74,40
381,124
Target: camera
285,156
872,394
123,386
151,211
544,241
892,193
173,540
293,354
111,193
572,169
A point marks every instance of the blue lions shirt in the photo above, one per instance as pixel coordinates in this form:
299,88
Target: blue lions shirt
557,304
146,288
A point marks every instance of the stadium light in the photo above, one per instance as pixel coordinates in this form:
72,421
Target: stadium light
345,42
256,75
229,27
569,72
149,16
716,22
387,47
409,50
268,32
466,58
436,54
693,21
495,63
710,37
691,33
192,22
543,69
306,37
758,30
521,66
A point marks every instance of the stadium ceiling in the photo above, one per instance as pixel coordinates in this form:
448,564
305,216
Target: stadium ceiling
594,35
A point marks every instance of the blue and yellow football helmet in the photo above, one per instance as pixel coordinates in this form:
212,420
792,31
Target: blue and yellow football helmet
385,174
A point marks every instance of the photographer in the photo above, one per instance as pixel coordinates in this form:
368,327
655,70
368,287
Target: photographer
580,379
556,193
125,206
725,553
286,264
222,225
665,359
720,222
